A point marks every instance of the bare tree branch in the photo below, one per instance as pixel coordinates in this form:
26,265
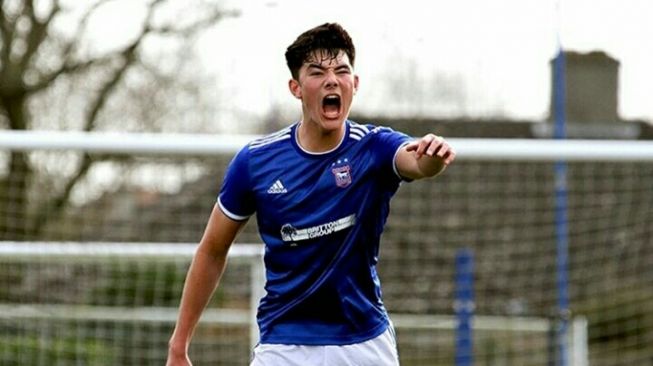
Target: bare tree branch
193,28
107,88
68,66
7,29
115,65
54,207
6,22
4,26
38,32
128,55
81,28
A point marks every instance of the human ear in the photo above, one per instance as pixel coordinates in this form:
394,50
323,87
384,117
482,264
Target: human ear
295,88
355,83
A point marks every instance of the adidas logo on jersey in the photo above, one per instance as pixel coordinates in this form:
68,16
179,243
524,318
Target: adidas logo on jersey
277,188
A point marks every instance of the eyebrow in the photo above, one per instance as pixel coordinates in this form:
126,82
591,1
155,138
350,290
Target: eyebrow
337,67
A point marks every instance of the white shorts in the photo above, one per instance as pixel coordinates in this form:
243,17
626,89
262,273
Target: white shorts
379,351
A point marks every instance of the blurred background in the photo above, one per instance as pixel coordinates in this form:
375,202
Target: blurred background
464,69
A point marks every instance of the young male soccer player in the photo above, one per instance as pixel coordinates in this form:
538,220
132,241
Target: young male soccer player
320,189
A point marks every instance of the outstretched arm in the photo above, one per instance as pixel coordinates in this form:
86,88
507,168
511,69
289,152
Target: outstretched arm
203,277
424,157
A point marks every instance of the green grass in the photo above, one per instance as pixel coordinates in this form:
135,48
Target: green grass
34,350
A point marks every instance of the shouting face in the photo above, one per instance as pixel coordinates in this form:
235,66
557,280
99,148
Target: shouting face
326,86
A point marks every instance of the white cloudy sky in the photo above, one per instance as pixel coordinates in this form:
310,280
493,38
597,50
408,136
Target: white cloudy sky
433,58
498,50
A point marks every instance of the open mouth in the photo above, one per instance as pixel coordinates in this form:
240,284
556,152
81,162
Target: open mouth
331,105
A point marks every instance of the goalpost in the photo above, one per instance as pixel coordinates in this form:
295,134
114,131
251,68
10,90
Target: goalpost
98,280
64,255
98,254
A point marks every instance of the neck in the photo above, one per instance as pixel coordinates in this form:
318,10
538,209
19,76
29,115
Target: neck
316,140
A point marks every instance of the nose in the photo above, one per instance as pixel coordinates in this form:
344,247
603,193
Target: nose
331,81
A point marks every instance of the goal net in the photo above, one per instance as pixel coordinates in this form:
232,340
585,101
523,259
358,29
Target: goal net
115,304
96,235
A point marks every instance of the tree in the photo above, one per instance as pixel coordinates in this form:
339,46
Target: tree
39,52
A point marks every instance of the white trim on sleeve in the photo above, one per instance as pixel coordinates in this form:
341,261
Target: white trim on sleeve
394,161
230,214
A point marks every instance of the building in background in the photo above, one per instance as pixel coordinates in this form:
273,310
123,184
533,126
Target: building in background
592,89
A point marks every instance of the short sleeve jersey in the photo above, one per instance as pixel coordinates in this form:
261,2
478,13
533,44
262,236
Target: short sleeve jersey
320,217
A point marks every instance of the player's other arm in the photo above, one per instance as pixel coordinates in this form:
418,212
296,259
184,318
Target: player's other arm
424,157
203,277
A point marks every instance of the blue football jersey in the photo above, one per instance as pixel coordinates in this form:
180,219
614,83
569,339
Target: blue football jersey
320,216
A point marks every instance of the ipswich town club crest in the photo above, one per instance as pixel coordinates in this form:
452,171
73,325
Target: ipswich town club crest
342,173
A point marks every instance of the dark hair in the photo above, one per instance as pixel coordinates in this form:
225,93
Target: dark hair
330,37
